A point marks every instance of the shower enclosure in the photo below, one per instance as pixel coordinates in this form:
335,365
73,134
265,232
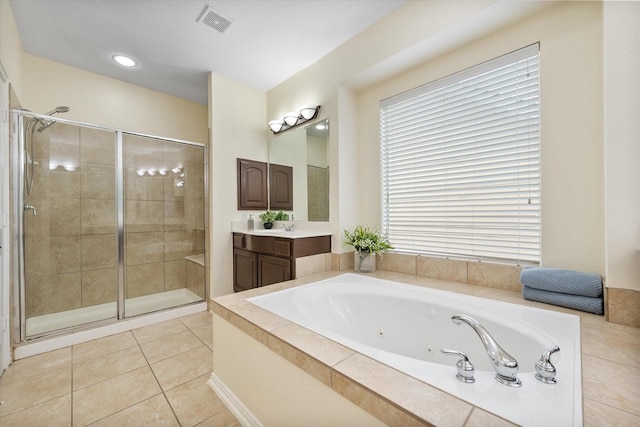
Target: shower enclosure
110,223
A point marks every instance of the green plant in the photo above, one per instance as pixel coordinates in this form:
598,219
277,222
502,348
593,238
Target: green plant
268,216
281,216
365,239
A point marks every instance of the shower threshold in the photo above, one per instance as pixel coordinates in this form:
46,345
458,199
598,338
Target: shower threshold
39,325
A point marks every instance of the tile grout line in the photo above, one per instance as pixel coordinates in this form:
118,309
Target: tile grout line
156,378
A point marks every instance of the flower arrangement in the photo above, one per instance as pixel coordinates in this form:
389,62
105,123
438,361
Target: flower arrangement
364,239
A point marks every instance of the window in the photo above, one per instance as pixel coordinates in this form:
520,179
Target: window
460,163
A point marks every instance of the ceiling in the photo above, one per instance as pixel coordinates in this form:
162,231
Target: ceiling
267,42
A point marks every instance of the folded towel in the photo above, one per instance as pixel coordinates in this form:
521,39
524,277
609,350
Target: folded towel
562,281
577,302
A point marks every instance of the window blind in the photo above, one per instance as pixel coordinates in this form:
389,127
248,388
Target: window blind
460,163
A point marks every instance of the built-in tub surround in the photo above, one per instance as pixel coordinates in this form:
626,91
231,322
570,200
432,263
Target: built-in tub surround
406,326
609,377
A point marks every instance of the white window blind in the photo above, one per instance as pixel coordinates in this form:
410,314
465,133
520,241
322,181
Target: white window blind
460,163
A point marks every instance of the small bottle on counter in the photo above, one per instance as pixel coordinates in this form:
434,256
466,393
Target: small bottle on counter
250,223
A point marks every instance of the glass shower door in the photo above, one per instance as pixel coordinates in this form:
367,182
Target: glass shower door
69,226
163,224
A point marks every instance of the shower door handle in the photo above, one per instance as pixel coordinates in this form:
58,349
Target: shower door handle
29,207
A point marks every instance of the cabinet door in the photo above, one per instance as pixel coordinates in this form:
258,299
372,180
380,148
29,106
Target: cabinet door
252,184
245,270
273,269
280,187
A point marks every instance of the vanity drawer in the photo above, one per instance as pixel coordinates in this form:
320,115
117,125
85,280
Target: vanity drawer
282,247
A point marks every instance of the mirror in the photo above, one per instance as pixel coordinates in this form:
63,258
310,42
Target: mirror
306,150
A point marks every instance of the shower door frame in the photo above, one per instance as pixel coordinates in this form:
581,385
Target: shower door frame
19,294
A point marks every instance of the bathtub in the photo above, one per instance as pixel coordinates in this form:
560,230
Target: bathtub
405,326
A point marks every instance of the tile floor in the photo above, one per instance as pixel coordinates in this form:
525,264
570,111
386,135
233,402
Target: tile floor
156,375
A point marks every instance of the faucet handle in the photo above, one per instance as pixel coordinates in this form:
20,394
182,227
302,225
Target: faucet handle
545,371
465,368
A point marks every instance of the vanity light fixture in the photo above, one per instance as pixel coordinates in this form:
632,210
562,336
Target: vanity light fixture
125,61
293,119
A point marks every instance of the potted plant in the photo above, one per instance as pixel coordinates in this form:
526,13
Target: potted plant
281,216
368,243
267,219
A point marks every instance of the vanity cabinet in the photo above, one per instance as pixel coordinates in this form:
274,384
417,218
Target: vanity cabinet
280,187
252,185
265,260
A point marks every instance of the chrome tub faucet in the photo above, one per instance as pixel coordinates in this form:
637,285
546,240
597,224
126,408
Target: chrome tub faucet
503,363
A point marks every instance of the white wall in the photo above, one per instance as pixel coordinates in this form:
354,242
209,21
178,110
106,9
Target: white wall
622,141
238,129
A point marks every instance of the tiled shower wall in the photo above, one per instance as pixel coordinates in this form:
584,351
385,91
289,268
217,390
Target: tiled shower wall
164,214
70,245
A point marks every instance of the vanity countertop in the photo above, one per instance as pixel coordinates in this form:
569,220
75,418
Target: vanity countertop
297,234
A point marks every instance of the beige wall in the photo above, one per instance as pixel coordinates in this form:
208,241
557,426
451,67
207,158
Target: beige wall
622,139
571,117
10,47
239,129
108,102
350,82
41,85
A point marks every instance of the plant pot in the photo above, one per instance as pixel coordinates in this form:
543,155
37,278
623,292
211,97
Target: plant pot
364,262
267,225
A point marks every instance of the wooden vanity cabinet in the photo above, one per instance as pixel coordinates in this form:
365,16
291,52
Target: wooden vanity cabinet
265,260
252,184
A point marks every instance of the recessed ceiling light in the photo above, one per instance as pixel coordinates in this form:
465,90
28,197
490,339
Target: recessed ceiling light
124,60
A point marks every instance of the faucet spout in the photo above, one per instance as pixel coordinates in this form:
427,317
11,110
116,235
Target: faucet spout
503,363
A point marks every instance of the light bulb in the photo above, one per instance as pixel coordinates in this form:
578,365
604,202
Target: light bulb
308,111
291,118
276,125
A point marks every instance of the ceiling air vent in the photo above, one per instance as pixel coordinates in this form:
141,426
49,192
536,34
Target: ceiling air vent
214,20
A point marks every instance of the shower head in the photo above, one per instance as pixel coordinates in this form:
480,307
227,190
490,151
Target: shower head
60,109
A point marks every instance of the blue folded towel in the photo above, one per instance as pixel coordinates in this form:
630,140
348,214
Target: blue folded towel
577,302
562,281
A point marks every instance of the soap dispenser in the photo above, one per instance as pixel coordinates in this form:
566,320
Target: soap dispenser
250,223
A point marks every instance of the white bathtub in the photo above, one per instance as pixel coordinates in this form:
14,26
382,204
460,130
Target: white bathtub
405,327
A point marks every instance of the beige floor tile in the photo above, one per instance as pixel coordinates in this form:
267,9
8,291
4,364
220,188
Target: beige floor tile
102,346
55,412
223,418
194,401
151,412
157,331
198,319
102,368
108,397
205,333
32,391
35,366
183,367
170,345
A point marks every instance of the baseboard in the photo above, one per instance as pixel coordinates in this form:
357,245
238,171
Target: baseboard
237,408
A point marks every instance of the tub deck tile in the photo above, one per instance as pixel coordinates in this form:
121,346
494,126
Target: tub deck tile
311,352
428,405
